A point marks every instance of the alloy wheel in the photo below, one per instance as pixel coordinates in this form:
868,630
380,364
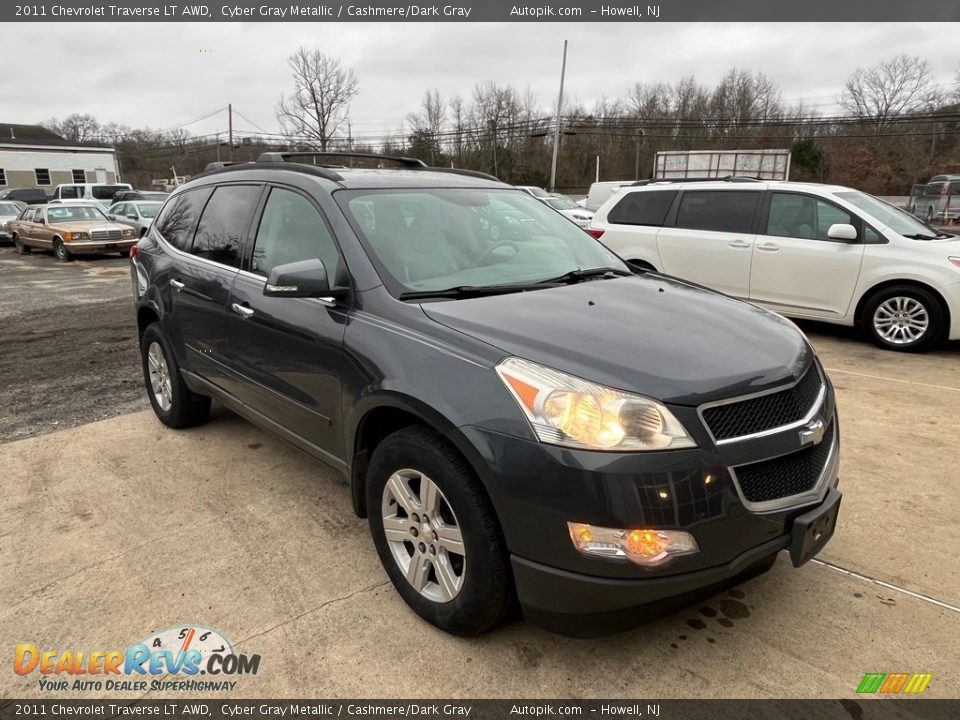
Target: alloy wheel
159,377
901,320
423,535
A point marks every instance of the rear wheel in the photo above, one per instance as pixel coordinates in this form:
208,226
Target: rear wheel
60,250
170,398
903,318
19,246
436,533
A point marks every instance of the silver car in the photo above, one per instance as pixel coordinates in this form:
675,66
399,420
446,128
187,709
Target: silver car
138,213
9,209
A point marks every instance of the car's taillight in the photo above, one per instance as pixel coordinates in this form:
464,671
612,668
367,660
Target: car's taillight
596,232
133,250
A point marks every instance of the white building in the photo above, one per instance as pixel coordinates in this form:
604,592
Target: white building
32,156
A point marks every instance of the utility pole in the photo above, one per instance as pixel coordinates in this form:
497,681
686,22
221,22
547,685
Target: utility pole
230,126
636,167
556,130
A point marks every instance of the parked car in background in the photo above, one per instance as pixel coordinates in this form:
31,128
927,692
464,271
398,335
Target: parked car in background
600,192
9,210
70,229
537,192
819,252
916,193
99,193
30,196
940,201
519,420
568,208
138,214
124,195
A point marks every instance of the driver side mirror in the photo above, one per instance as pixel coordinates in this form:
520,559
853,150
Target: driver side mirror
301,279
842,231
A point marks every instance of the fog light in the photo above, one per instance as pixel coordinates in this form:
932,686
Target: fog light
650,548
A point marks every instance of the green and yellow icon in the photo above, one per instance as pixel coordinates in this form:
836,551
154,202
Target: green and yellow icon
893,683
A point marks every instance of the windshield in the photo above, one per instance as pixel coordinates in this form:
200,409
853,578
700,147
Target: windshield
891,216
562,203
436,239
7,209
106,192
74,213
149,210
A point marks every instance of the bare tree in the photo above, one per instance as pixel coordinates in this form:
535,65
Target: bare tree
427,123
77,128
898,86
320,102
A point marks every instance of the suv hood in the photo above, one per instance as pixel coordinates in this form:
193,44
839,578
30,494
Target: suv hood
649,334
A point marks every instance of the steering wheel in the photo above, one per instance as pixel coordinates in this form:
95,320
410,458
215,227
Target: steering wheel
489,251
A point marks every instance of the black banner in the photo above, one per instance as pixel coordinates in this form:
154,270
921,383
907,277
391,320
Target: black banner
859,709
481,11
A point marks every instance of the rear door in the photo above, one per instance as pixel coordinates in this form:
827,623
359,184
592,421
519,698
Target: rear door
797,269
292,352
711,239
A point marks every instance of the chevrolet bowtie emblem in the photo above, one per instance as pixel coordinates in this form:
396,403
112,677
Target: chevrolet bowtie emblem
812,434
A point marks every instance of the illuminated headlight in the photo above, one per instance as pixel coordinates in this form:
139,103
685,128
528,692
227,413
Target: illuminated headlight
565,410
650,548
128,233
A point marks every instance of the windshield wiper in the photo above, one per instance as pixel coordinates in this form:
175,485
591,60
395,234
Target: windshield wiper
581,274
921,236
469,291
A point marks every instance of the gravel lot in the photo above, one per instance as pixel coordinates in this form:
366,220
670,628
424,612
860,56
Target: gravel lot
68,350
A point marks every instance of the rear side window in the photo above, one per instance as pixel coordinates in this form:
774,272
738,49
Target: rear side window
69,192
224,224
178,220
642,208
718,210
290,230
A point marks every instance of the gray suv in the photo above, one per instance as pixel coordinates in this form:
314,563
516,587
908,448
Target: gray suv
523,419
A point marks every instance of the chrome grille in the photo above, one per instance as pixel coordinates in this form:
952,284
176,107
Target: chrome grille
766,412
786,476
106,234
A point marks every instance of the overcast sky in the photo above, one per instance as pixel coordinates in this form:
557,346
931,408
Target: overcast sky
162,75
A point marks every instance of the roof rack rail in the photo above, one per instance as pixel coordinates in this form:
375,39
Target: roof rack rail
406,162
726,178
318,170
220,164
462,171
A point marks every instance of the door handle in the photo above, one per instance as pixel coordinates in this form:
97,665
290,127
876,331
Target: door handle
176,285
242,310
738,244
769,247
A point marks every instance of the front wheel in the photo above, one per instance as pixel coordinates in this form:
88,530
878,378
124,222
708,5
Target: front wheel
436,533
171,399
60,250
903,318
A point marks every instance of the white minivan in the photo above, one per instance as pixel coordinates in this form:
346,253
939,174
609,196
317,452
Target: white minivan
820,252
100,193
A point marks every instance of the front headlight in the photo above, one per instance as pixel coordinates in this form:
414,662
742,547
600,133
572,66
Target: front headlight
128,233
565,410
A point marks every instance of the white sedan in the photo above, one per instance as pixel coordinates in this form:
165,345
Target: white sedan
566,206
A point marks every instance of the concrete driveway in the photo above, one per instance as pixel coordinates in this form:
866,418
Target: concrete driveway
116,528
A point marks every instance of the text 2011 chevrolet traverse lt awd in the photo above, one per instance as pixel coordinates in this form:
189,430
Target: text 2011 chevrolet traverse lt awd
520,416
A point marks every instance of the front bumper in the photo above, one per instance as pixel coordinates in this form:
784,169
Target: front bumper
100,246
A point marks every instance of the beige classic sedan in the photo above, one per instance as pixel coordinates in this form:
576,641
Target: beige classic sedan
68,230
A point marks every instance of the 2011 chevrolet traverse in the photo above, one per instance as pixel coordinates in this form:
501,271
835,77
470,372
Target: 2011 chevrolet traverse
521,416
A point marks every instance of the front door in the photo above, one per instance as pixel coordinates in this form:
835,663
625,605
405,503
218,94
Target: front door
797,269
291,356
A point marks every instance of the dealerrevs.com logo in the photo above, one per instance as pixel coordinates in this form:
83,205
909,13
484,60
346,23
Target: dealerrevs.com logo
180,655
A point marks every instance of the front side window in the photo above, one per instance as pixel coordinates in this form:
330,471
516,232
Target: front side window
934,189
718,210
223,226
291,230
432,239
69,192
118,209
106,192
803,216
178,221
643,208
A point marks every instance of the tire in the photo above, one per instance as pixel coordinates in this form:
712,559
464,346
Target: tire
19,246
485,593
173,403
903,318
60,250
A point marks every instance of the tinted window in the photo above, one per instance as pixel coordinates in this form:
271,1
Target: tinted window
69,192
643,208
719,210
178,220
105,192
291,229
224,224
803,216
